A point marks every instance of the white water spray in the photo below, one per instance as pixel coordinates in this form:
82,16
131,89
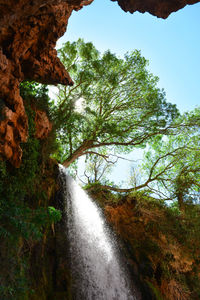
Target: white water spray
97,273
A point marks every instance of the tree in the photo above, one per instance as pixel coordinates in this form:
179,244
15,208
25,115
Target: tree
114,103
97,168
172,165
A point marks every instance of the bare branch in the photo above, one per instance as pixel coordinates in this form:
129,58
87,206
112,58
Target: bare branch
160,194
106,157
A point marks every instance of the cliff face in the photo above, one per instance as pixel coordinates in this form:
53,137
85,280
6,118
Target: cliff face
28,34
155,246
161,9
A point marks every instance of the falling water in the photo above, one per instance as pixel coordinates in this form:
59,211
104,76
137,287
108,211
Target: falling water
97,273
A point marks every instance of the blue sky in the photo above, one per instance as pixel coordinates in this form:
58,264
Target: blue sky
172,46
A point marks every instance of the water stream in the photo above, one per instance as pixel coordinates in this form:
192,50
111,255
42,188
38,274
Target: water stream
97,271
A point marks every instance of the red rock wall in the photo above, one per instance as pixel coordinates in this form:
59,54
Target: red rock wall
42,125
28,34
29,30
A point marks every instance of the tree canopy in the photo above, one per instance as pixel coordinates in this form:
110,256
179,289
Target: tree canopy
172,164
115,102
170,169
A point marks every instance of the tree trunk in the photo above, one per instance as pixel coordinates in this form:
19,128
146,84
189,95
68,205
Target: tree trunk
181,202
79,152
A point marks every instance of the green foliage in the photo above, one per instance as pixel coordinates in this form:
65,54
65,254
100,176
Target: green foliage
54,214
172,164
35,93
114,102
22,220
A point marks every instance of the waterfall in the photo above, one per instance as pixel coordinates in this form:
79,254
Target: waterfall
96,269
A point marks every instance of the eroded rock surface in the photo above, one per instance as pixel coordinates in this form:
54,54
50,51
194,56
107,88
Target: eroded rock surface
159,8
28,34
42,125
